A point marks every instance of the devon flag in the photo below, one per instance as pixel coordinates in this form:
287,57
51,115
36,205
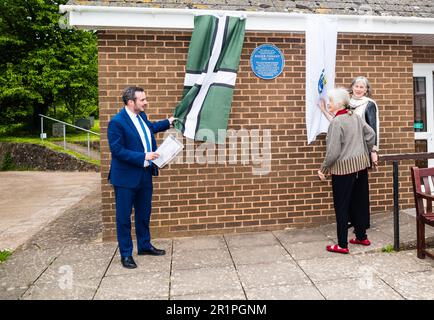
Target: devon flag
321,39
211,72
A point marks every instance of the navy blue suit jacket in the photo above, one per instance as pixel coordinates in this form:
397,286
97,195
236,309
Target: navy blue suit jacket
128,153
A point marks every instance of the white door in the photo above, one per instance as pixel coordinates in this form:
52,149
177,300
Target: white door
423,84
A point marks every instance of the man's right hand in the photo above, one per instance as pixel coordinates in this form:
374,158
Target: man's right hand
151,156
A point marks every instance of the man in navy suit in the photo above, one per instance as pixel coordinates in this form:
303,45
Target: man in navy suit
132,145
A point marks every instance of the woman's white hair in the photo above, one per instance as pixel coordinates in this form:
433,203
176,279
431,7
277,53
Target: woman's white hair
339,96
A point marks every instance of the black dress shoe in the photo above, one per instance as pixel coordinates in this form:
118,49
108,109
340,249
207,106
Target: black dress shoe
128,262
152,251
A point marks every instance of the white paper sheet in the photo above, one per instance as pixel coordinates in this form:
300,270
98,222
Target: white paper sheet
168,151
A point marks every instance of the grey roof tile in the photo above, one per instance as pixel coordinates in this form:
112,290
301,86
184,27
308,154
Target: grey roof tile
415,8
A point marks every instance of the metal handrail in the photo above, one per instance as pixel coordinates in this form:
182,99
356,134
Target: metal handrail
43,135
395,158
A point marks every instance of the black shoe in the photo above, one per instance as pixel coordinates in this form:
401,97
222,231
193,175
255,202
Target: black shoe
128,262
152,251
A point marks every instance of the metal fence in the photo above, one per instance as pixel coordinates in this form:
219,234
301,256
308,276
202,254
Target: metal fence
44,135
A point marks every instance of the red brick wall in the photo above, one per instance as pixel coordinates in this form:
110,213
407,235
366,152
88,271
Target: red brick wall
191,199
423,54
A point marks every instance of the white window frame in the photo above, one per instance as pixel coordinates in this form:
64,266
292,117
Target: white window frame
426,70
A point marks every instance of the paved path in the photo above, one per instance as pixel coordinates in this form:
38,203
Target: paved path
91,153
30,200
67,260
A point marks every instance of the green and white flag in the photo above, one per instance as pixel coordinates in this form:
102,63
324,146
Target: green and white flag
211,72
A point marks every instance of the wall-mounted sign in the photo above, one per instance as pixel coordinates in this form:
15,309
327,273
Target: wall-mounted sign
267,61
418,124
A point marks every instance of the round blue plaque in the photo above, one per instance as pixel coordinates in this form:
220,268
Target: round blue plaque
267,61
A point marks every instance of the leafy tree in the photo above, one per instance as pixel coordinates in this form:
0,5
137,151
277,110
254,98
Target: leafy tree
42,64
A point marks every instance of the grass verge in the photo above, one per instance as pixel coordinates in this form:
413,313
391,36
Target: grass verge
49,145
4,255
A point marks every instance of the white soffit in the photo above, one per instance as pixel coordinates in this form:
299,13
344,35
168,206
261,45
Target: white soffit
104,17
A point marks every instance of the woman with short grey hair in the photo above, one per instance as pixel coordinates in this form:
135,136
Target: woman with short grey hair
349,142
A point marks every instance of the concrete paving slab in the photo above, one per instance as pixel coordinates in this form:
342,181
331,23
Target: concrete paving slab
260,254
406,231
379,240
251,240
47,194
379,218
63,290
308,250
299,235
18,230
414,285
271,274
216,295
12,294
24,267
199,243
263,267
336,267
201,258
329,230
289,292
144,264
379,222
140,286
204,280
76,270
87,251
366,288
79,224
394,263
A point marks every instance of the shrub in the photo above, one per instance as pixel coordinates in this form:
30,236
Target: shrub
8,162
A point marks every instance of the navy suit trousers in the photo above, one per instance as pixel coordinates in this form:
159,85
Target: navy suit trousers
141,199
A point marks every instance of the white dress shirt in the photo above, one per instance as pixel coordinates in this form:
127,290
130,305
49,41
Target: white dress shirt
135,120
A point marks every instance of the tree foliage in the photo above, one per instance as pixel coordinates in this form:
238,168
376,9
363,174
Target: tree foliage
43,66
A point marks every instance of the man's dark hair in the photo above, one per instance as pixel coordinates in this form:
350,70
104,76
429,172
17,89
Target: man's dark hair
130,94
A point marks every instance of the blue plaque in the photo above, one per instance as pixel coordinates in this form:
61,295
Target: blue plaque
267,61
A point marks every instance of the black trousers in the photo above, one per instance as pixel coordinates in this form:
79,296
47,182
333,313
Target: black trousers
351,201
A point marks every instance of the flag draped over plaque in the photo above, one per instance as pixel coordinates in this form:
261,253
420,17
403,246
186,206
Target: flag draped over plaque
211,72
321,39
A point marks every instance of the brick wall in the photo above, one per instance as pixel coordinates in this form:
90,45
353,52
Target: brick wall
423,54
192,199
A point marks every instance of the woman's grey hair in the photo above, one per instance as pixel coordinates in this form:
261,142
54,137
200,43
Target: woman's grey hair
365,81
339,95
130,94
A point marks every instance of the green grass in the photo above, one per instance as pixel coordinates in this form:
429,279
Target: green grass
4,255
388,249
49,145
72,136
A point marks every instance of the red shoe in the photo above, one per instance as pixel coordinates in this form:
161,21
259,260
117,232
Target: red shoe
336,248
365,242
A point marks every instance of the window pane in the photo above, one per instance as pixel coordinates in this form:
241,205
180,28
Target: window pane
419,85
421,146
